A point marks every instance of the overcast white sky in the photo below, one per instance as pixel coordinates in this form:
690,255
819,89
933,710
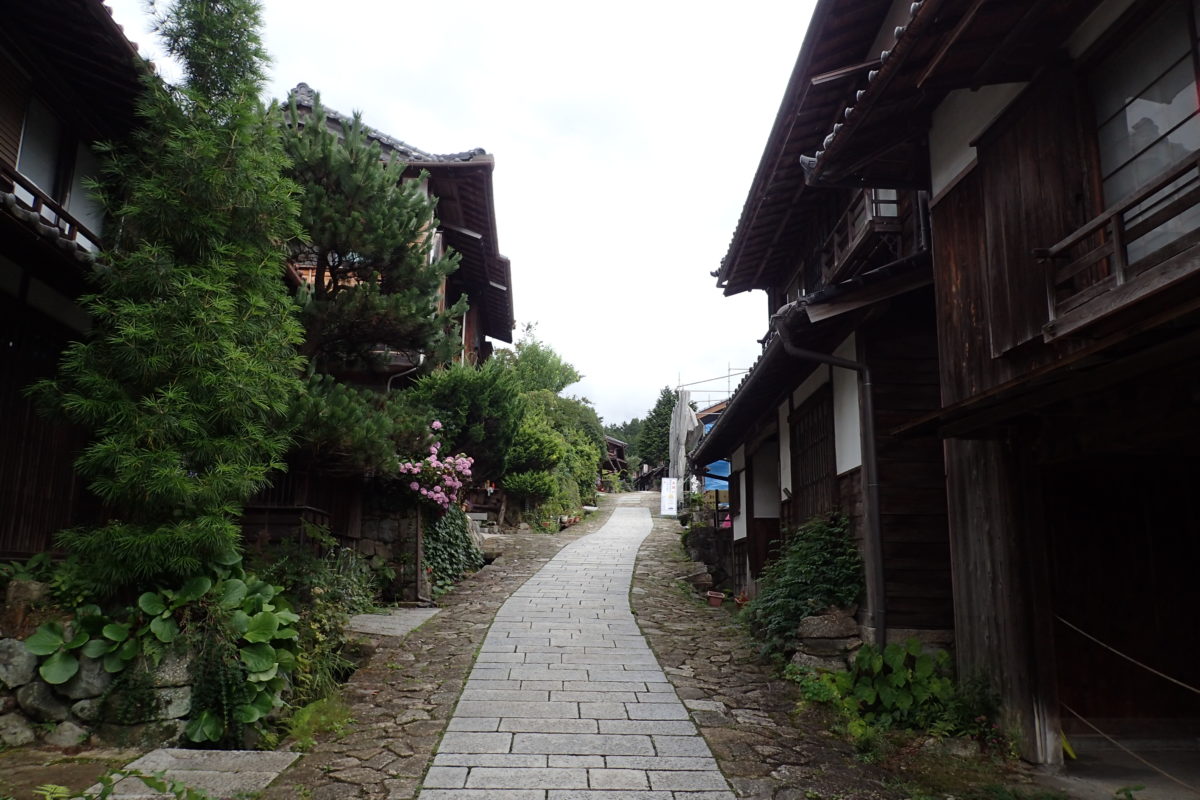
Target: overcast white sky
625,136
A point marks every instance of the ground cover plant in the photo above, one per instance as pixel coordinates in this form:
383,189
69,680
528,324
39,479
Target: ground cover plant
817,567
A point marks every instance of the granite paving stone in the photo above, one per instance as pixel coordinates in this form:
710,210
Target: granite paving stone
549,625
569,631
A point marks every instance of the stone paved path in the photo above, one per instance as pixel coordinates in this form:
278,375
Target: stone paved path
566,701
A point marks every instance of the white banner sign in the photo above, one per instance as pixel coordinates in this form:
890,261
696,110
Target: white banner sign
670,497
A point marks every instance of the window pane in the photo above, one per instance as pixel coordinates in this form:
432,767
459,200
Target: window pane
40,137
1148,117
80,205
1127,72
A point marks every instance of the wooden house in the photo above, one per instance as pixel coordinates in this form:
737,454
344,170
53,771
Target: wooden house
1059,145
614,456
461,184
849,355
353,506
68,78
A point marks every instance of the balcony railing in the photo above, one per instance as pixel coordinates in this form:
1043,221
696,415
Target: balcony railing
1136,248
871,221
26,201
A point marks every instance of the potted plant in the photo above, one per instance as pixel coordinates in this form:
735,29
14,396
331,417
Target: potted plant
715,598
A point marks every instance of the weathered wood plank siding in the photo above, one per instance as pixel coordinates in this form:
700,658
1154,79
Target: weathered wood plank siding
14,96
901,349
1030,188
39,491
1002,613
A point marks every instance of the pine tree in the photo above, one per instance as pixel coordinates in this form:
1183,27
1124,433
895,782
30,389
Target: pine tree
191,366
375,289
375,284
653,442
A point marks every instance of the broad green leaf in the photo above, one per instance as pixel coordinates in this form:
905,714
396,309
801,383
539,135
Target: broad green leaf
903,700
264,701
265,675
114,663
78,640
287,616
233,592
258,657
866,693
240,621
115,631
914,647
194,589
207,727
262,627
152,603
228,558
287,661
164,629
46,640
924,666
287,633
247,714
59,668
129,649
97,648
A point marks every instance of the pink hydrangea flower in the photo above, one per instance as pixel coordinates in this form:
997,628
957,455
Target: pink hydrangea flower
437,426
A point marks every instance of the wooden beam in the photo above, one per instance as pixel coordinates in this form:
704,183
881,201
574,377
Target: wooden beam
870,295
965,22
843,73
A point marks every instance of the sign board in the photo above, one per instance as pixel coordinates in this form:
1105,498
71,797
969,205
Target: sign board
670,497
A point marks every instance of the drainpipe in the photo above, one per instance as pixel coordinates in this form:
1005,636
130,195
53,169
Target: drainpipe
874,538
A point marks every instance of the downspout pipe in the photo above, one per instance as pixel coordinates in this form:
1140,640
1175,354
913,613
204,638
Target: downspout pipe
874,537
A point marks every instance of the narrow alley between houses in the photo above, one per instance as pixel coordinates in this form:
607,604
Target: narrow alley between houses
575,695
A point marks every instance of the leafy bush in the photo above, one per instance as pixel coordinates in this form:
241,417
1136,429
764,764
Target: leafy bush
449,550
818,566
327,715
239,627
326,589
904,687
481,409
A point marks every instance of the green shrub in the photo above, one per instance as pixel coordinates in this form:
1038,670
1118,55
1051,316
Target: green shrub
328,715
449,550
326,588
818,566
903,687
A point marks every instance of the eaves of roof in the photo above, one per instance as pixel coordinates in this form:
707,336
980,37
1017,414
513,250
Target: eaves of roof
945,45
771,224
817,321
462,185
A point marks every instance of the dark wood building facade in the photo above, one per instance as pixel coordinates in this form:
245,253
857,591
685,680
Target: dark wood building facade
850,355
68,78
1060,157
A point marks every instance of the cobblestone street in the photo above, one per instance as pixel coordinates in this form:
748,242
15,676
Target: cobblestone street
566,701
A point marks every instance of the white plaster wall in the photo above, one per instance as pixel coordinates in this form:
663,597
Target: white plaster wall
958,121
847,433
898,14
739,519
766,481
819,378
785,449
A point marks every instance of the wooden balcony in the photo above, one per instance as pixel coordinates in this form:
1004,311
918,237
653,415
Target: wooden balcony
870,222
1143,245
21,198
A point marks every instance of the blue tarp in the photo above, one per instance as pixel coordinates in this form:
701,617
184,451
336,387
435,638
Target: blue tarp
715,468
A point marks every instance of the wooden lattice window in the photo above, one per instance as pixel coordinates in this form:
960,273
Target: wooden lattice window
814,465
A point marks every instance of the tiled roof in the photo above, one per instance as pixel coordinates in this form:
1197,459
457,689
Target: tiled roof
305,97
